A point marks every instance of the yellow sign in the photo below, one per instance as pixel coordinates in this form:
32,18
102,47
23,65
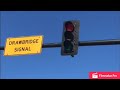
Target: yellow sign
23,45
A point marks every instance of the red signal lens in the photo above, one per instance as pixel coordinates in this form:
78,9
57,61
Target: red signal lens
69,26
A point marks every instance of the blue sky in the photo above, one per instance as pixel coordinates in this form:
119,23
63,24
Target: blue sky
94,25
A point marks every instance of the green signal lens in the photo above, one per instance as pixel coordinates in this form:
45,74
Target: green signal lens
68,47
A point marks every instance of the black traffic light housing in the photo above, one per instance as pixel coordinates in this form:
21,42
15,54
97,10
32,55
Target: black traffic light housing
70,37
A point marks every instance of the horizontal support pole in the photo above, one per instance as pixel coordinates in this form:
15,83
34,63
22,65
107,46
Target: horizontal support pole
86,43
100,42
83,43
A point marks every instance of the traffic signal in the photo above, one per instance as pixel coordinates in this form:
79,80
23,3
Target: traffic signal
70,37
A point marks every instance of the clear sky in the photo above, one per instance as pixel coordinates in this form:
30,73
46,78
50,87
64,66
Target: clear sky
94,25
